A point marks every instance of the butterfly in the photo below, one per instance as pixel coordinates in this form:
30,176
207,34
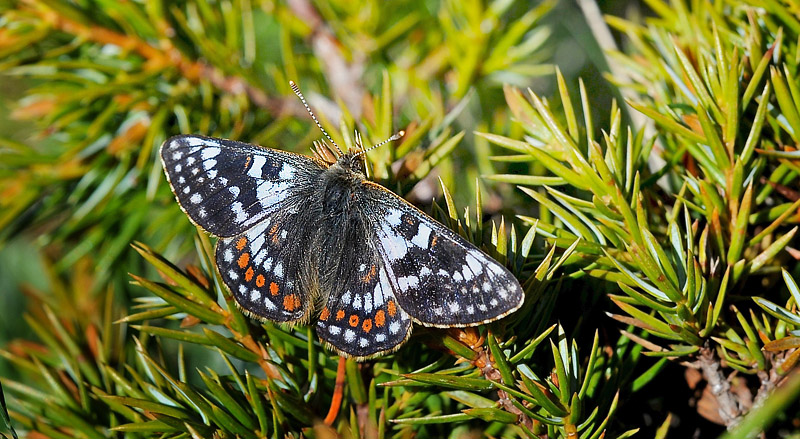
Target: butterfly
304,238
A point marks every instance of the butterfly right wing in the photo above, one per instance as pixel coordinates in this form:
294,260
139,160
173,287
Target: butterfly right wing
227,187
440,279
361,318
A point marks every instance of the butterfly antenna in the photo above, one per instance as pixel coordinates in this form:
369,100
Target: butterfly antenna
396,136
299,94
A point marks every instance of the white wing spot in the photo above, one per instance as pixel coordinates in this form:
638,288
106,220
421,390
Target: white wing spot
493,302
233,275
279,270
470,309
363,342
356,301
487,286
368,302
210,153
424,271
457,277
255,295
268,264
178,168
286,172
268,303
202,212
242,290
259,257
473,263
212,173
380,338
468,275
209,164
234,190
187,189
482,307
196,198
177,155
181,180
283,234
334,330
394,327
407,282
346,298
422,236
255,168
394,217
240,213
194,141
349,335
227,256
454,307
256,242
190,161
394,245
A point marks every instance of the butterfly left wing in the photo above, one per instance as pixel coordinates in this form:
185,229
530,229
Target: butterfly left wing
439,278
264,268
227,187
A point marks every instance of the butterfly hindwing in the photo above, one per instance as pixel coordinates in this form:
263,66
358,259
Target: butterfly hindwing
440,279
261,267
362,318
227,187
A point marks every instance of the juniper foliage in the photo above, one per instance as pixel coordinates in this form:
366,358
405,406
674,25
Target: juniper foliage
650,236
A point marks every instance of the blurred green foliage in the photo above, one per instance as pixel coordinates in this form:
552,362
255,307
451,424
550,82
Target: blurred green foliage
653,235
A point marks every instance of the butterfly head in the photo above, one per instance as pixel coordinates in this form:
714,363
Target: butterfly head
351,163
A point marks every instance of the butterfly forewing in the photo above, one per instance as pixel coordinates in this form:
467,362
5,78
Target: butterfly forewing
362,317
440,279
227,187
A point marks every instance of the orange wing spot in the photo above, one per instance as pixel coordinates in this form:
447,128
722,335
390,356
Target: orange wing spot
290,302
339,315
325,314
247,163
380,318
248,275
370,274
367,326
392,308
244,258
260,281
273,288
241,243
353,320
433,241
274,233
296,301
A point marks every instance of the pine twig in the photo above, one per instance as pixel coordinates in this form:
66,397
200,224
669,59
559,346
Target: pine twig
720,387
160,57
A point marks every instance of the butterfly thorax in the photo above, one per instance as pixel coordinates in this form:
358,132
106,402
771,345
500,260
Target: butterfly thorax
340,184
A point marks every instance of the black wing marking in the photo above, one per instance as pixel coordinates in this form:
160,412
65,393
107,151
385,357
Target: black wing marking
440,279
362,317
262,268
226,187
